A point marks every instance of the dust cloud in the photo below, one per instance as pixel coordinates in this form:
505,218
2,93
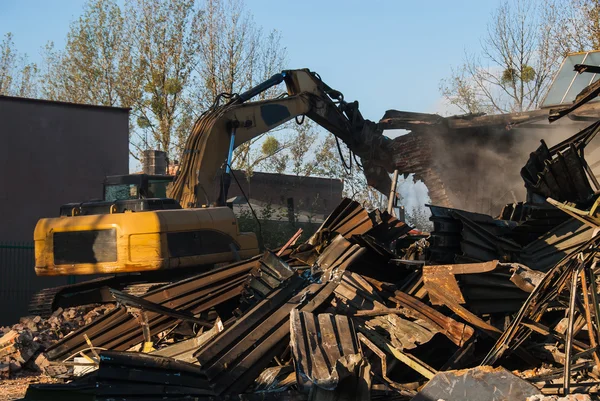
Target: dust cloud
481,168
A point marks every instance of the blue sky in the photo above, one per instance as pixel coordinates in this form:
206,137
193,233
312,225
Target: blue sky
385,54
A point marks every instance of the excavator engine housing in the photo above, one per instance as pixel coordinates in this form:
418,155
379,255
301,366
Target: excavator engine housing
125,242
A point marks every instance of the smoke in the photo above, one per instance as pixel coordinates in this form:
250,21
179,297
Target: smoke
414,193
480,168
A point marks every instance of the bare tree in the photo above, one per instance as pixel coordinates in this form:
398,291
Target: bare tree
518,58
578,25
235,56
142,56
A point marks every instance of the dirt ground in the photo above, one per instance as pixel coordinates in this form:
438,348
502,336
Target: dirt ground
14,389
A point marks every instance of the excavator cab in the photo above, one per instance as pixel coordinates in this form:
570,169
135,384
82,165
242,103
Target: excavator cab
127,193
137,228
136,186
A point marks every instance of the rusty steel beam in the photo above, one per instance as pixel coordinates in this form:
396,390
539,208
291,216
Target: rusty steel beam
456,332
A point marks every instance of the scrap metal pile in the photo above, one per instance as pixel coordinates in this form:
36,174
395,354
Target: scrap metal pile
486,308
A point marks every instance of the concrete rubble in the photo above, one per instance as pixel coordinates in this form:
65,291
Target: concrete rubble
22,345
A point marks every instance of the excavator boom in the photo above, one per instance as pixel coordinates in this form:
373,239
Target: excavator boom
223,128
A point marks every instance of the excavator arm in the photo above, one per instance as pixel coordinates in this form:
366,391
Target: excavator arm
223,128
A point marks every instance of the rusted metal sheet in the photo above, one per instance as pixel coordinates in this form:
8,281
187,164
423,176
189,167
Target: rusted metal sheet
561,172
236,357
275,379
142,304
442,277
336,320
350,218
383,358
324,346
250,338
409,360
486,242
347,219
232,369
460,235
456,332
354,387
289,395
484,287
404,334
357,294
525,278
550,248
482,383
184,350
269,274
132,376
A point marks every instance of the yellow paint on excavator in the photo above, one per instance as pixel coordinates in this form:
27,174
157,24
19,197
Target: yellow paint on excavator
139,241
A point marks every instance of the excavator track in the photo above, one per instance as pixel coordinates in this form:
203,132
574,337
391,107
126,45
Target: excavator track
46,301
41,302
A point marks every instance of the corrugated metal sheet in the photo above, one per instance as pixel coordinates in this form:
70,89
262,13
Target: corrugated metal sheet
549,249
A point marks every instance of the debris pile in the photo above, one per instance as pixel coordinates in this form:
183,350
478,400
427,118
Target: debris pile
502,308
22,345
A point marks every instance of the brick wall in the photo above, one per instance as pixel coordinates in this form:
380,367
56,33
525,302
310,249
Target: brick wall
415,153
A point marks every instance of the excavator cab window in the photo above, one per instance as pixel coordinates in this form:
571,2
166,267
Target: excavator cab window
157,188
114,193
136,186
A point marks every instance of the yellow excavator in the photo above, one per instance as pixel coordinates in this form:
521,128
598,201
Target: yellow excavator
160,239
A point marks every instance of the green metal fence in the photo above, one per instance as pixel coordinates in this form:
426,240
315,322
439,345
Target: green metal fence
18,281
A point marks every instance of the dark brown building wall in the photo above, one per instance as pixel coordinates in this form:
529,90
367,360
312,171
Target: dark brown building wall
50,153
53,153
311,194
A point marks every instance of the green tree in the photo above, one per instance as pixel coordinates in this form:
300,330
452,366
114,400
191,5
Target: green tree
18,77
165,38
166,60
98,64
89,70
